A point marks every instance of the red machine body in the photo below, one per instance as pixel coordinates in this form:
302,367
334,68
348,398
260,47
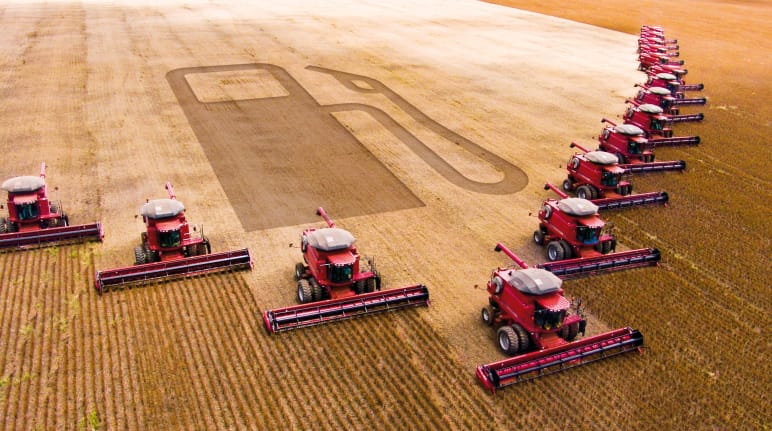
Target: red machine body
34,220
534,320
654,123
660,96
332,283
596,176
572,229
668,79
627,142
169,249
648,59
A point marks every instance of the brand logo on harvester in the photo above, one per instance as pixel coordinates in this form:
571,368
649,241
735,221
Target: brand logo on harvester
279,154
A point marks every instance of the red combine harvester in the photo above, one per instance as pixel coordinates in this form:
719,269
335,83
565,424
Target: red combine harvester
34,221
627,142
169,250
648,59
642,168
660,96
597,177
574,233
533,319
654,123
672,82
650,46
331,284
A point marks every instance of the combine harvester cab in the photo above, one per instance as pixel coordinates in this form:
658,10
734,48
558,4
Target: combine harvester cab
654,123
34,221
332,283
661,96
535,322
168,249
575,237
596,176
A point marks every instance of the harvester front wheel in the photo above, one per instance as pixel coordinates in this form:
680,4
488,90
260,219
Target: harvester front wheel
569,332
304,291
522,335
509,342
3,225
568,252
300,269
555,251
140,258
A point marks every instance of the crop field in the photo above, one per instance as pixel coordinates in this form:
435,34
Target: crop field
427,130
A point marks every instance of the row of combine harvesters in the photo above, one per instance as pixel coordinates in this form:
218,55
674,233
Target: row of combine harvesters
533,318
534,321
167,249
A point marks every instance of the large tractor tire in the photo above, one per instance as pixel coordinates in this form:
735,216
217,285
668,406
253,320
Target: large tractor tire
568,185
359,287
585,192
373,284
568,251
304,291
555,251
509,342
523,337
316,290
140,258
3,225
569,332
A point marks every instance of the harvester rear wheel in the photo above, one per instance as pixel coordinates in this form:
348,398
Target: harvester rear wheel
555,251
300,269
568,185
509,342
304,291
522,335
139,256
538,237
487,315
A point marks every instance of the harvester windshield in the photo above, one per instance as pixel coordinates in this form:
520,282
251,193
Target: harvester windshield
610,179
27,210
587,234
169,239
548,319
657,124
633,147
341,273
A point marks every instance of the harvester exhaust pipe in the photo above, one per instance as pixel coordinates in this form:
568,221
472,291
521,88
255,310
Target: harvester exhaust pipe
549,186
501,248
320,212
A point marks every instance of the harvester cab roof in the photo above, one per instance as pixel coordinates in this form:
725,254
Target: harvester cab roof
532,281
330,239
577,207
601,158
157,209
23,184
